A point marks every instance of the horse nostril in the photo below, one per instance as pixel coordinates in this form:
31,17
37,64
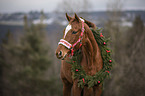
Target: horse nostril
60,54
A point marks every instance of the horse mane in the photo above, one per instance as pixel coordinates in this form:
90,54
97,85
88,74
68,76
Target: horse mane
92,53
90,24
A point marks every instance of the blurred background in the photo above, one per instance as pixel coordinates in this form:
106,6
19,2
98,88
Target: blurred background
30,31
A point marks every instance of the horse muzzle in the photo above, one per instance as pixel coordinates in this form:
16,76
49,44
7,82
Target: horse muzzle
61,52
61,55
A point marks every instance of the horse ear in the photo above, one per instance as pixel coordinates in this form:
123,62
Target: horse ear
90,24
68,17
77,18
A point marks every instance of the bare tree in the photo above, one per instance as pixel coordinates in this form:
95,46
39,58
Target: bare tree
135,58
128,48
113,25
114,31
114,9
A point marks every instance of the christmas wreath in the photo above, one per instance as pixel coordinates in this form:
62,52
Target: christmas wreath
99,77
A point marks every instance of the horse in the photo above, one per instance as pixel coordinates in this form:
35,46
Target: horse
78,35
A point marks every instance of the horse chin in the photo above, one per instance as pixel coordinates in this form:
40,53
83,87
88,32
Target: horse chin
63,58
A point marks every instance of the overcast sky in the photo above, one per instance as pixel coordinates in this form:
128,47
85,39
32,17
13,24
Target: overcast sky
50,5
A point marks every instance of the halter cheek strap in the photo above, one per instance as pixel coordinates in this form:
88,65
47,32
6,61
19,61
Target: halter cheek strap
70,46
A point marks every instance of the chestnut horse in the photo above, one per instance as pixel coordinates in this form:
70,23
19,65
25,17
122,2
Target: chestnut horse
91,60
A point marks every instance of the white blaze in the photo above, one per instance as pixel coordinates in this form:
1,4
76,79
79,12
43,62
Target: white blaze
67,29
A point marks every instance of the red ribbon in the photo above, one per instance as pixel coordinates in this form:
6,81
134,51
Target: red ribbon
80,45
107,51
83,80
101,35
107,71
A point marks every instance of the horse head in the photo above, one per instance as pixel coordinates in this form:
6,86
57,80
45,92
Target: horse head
73,36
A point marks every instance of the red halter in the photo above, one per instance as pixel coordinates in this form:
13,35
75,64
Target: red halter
70,46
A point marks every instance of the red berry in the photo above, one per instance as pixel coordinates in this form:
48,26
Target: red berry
110,61
77,70
104,43
98,81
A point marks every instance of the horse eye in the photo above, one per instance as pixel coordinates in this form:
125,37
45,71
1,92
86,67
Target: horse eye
74,32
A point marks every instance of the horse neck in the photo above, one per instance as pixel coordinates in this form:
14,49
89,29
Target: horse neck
91,53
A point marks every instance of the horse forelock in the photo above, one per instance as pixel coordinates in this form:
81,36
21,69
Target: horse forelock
69,27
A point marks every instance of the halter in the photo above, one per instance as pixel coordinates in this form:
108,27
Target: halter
71,46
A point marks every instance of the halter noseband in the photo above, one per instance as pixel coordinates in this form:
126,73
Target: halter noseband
71,46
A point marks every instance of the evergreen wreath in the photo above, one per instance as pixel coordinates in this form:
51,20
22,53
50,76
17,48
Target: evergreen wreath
99,77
